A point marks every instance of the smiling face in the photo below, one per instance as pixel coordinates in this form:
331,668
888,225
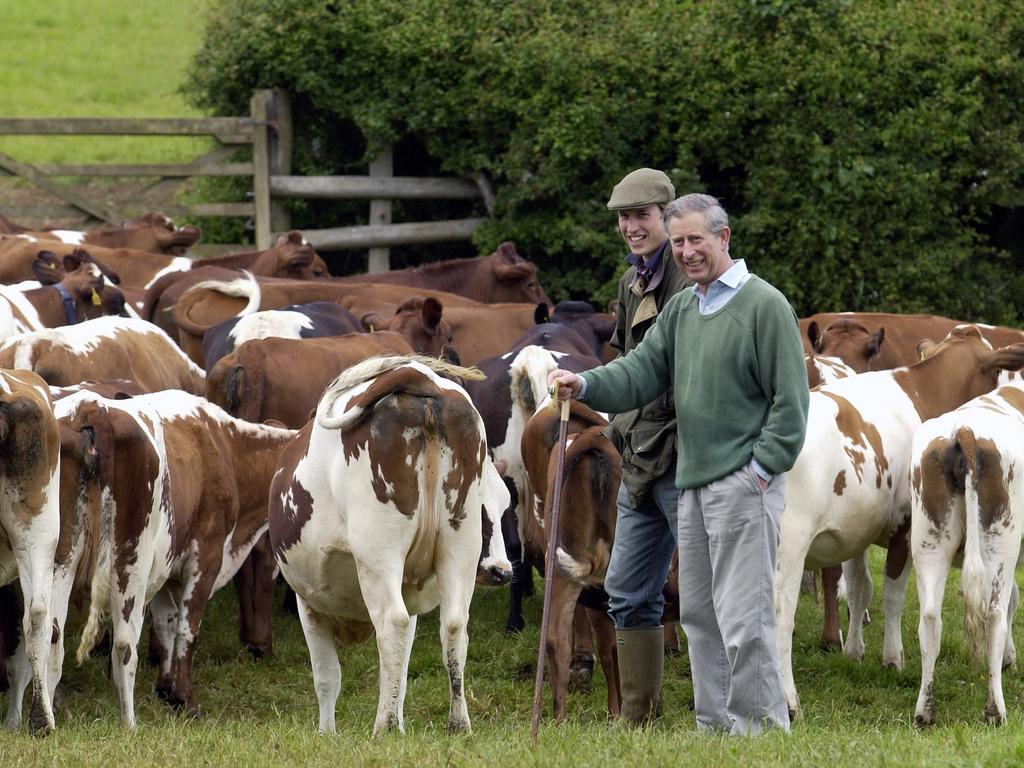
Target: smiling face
642,229
701,255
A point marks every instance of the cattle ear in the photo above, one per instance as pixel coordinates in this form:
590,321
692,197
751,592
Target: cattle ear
924,349
875,342
432,310
301,261
814,335
48,268
293,237
374,321
542,314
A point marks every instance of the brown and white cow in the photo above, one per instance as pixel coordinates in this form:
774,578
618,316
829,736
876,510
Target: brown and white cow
29,525
182,491
370,533
151,232
502,277
70,291
102,349
283,379
967,496
850,486
586,532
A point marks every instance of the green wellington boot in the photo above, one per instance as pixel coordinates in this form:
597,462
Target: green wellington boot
641,653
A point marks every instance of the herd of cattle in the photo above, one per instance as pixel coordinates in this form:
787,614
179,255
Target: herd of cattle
170,425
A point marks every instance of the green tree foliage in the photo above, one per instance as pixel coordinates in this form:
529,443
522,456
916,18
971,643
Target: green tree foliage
869,152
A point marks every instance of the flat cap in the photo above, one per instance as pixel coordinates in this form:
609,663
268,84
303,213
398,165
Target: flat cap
640,188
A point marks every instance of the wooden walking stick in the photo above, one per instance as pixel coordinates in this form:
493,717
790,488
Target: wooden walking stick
549,560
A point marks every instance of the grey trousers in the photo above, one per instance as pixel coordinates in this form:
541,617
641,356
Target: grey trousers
728,534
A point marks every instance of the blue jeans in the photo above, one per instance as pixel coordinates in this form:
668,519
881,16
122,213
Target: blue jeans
645,540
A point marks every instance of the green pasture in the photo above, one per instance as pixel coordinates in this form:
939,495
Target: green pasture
265,713
98,58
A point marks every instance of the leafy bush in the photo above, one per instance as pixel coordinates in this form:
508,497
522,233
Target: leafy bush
868,152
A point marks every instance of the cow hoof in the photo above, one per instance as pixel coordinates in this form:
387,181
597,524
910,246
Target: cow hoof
260,651
994,717
515,626
672,651
922,721
831,646
164,692
37,722
458,726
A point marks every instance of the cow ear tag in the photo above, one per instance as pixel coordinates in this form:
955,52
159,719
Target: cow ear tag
96,298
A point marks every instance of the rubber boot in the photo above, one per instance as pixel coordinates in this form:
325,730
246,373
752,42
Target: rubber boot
641,652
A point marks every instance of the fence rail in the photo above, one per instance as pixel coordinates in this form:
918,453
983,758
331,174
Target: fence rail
268,131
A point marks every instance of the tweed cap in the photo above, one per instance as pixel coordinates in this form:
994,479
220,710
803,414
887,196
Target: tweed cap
641,188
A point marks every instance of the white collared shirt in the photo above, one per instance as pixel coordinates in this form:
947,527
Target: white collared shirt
721,291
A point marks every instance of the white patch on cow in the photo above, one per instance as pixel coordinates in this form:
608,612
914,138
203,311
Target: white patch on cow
4,383
28,238
269,323
570,566
177,264
69,236
20,305
245,287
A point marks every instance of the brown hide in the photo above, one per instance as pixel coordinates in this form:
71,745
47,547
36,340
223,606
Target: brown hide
259,381
147,357
152,232
879,341
504,276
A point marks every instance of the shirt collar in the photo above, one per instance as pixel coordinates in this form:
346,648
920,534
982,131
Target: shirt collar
733,277
652,264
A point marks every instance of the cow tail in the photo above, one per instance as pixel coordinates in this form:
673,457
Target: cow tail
102,554
421,555
974,582
569,565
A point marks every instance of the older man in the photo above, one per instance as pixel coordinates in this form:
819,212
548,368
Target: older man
730,350
645,527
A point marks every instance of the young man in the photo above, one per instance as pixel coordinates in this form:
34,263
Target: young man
646,524
730,349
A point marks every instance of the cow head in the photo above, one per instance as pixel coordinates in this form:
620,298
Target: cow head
420,320
296,258
84,280
516,276
152,232
848,340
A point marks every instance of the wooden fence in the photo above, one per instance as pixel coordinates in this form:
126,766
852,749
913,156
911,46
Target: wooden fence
267,130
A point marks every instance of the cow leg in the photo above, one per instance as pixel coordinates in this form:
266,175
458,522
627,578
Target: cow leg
831,632
858,596
894,592
19,673
163,612
35,572
789,559
932,567
995,707
604,628
520,572
127,613
1010,650
410,637
581,669
558,643
323,658
63,583
196,594
455,579
254,584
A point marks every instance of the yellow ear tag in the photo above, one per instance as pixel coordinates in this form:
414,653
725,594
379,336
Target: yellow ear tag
52,265
96,298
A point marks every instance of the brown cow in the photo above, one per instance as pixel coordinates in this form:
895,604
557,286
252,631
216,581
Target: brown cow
586,531
259,381
151,232
877,341
101,349
502,277
72,290
184,491
29,524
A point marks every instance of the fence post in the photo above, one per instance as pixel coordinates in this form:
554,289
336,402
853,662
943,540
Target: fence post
380,212
280,113
259,107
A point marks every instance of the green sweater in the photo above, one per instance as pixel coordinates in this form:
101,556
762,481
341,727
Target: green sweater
738,377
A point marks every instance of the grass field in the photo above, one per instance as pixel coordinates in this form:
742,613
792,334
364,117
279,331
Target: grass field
264,713
98,58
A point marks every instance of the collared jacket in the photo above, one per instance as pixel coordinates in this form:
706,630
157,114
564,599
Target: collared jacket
645,437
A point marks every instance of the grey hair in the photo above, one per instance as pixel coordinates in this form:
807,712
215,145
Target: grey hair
715,217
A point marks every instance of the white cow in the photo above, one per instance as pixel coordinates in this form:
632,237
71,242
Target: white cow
850,485
376,515
967,491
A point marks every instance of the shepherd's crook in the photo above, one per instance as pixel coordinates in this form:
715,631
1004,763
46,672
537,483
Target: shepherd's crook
549,561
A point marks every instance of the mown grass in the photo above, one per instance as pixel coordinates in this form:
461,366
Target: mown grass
101,58
265,713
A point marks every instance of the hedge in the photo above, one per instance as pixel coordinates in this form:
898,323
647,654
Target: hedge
869,153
